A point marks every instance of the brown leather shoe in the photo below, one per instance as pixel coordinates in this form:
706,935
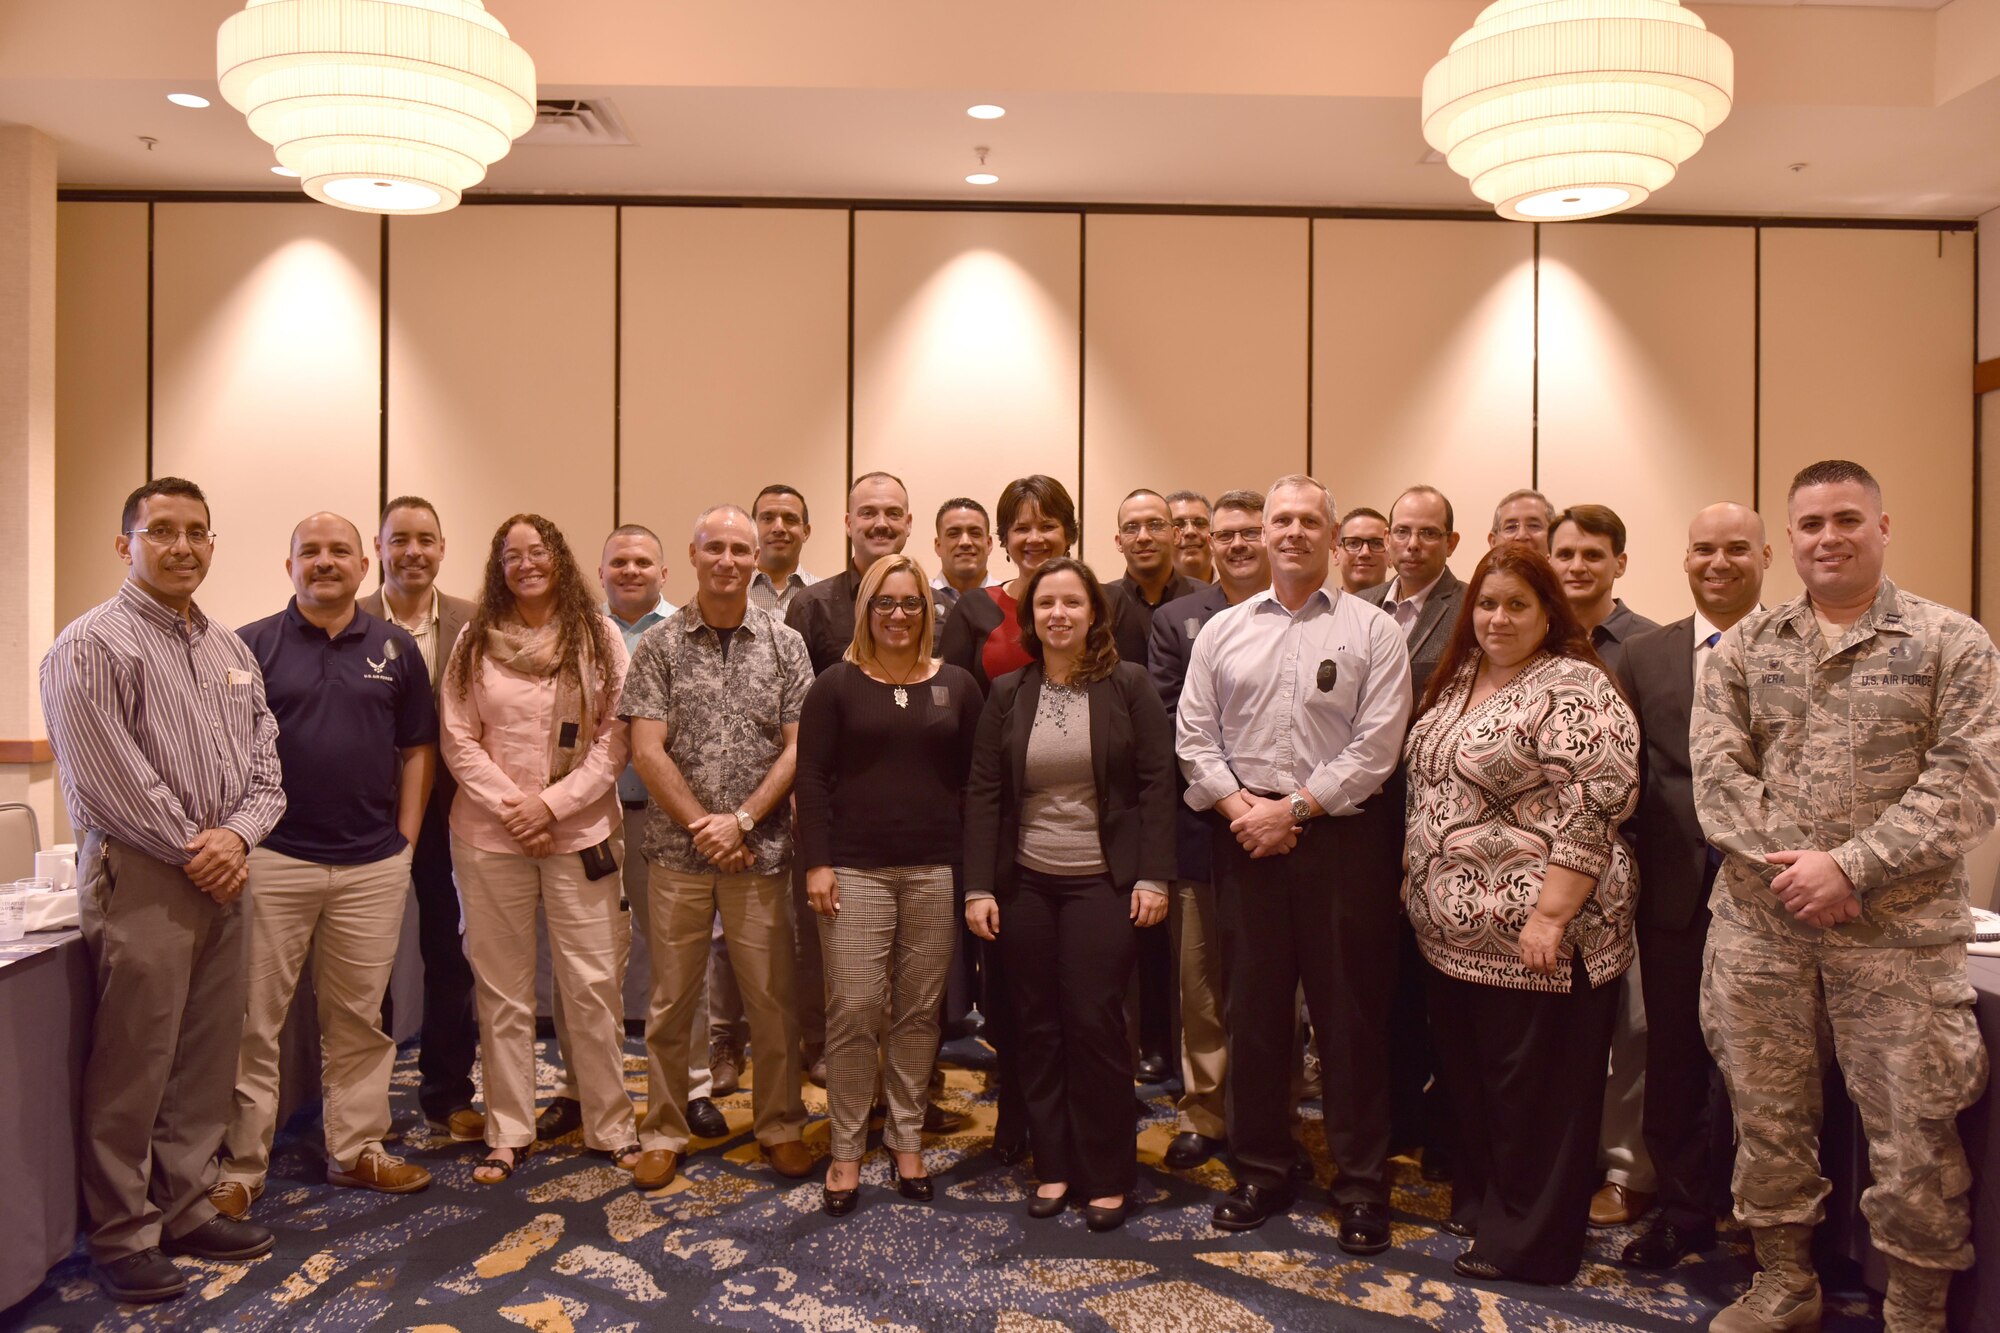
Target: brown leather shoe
378,1171
465,1125
791,1158
655,1168
1614,1205
232,1198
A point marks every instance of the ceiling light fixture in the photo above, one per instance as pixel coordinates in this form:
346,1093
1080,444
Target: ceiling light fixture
187,99
986,111
382,106
283,171
1566,109
982,176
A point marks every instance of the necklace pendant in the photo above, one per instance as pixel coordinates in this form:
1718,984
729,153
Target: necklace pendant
902,697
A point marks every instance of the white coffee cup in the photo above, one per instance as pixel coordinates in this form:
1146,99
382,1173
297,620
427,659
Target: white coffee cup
60,870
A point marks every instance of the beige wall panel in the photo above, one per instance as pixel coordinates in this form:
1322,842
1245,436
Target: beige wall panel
1195,365
1423,364
735,354
1868,355
965,359
1648,385
100,393
1989,523
266,366
501,343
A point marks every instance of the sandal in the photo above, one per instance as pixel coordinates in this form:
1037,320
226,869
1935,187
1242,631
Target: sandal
501,1165
627,1157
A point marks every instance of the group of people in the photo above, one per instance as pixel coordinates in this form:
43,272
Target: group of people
1559,896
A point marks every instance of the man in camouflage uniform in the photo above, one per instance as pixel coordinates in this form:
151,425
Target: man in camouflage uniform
1844,749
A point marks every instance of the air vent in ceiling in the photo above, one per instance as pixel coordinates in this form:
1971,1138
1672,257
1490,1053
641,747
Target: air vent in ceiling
562,122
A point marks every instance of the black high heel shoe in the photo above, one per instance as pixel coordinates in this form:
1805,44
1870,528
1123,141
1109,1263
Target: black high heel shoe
1048,1205
910,1187
1105,1219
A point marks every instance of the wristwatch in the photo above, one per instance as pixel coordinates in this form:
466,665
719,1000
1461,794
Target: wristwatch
1301,809
744,822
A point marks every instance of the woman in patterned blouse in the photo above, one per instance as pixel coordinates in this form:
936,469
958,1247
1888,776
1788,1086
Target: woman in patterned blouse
1522,763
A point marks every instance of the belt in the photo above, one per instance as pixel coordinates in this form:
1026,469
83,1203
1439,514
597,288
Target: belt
631,805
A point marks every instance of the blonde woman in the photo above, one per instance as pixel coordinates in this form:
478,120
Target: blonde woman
531,732
885,743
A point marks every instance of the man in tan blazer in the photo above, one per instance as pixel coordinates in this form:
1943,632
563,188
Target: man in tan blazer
410,549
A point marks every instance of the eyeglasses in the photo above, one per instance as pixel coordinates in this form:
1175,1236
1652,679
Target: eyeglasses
515,559
1156,526
909,606
1402,532
197,538
1375,544
1195,521
1231,536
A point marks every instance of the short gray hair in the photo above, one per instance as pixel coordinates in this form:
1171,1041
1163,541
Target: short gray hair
1292,481
1525,493
701,523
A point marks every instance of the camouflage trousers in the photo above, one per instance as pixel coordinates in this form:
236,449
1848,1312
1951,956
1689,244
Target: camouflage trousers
1900,1023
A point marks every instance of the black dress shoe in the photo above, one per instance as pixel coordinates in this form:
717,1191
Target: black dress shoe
704,1117
1011,1154
1463,1230
1045,1205
910,1187
1250,1206
1364,1228
1151,1068
1104,1219
937,1120
1437,1166
562,1116
1473,1264
140,1279
221,1238
1662,1245
1190,1150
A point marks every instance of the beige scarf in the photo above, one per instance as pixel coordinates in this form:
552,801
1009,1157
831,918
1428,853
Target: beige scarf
536,652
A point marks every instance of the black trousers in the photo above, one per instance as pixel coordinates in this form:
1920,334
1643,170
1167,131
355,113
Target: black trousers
1689,1130
1526,1071
450,1038
1070,945
1156,993
1322,917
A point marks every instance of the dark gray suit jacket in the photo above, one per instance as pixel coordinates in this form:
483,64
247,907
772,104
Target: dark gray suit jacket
1429,637
1657,672
454,613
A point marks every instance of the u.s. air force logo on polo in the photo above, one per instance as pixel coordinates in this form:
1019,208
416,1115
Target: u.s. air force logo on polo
379,670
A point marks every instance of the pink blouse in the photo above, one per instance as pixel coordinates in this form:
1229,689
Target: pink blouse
495,740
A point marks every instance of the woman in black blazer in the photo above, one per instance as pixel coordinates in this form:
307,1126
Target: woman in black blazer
1069,837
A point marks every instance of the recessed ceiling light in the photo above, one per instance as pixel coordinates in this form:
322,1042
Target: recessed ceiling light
986,111
982,178
187,99
283,171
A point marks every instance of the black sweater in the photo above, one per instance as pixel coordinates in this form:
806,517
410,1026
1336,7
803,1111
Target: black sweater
879,785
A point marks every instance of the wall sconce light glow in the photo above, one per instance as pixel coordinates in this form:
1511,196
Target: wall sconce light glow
382,106
283,171
986,111
982,178
1565,109
187,99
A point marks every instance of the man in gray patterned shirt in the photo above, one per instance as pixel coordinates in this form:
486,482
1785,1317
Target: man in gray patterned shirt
714,696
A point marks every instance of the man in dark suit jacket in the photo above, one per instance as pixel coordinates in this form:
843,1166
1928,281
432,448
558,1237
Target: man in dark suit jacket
1243,568
409,548
1687,1120
1423,597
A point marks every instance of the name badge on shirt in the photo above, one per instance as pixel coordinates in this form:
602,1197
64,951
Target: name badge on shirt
239,676
1193,627
940,696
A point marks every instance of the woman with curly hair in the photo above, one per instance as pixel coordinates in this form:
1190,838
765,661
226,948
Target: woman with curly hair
532,734
1069,844
1523,762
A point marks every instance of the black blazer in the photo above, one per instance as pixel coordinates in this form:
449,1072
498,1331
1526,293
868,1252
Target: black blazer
1431,635
1175,625
1657,673
1131,753
974,617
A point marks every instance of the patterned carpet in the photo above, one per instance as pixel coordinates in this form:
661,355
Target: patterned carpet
568,1246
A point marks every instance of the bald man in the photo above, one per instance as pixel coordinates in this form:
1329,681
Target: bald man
357,740
1686,1119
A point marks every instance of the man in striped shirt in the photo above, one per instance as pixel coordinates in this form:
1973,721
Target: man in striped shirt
170,770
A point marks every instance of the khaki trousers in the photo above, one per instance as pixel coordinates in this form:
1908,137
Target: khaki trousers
170,980
588,937
349,919
1204,1041
1621,1133
756,914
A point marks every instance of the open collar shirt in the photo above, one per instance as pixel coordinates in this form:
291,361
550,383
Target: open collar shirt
631,789
1278,701
160,727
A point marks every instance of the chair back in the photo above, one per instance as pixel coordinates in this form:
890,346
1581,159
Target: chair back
20,839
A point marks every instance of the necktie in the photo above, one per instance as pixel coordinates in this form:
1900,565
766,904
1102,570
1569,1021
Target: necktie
1712,639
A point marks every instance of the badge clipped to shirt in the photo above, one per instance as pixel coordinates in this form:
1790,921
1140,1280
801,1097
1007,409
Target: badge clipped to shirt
240,676
1328,673
1193,625
940,696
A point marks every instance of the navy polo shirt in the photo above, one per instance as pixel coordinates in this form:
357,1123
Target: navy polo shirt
345,706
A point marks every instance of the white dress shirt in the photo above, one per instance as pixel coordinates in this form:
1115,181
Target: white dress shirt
1253,714
1405,610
